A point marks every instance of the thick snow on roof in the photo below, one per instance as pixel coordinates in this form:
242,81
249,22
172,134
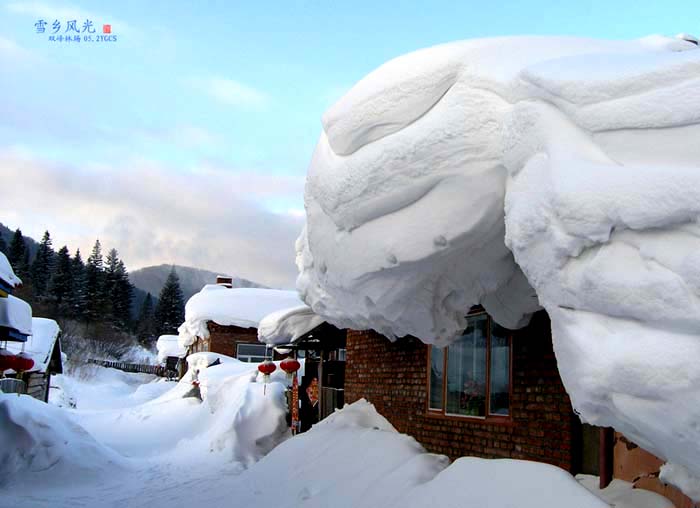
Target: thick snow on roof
168,345
517,172
243,307
287,325
16,314
40,343
6,272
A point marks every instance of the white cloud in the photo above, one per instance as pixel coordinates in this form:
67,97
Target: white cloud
209,218
231,92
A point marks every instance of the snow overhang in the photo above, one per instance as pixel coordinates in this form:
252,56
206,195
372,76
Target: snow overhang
288,325
519,172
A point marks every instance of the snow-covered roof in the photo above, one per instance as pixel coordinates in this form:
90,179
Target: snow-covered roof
168,345
7,275
287,325
243,307
40,344
517,172
16,314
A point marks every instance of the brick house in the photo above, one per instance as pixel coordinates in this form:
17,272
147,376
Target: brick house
222,319
494,393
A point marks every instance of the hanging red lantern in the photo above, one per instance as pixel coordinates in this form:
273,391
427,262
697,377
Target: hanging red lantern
290,365
23,362
267,367
7,360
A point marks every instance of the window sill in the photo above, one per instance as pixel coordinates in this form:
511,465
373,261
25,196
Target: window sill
484,420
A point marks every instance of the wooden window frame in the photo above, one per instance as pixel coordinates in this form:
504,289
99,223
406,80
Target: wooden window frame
489,418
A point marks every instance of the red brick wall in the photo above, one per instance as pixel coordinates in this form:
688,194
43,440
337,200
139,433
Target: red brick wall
224,339
393,376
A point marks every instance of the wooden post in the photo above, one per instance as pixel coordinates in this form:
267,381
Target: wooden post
606,456
320,386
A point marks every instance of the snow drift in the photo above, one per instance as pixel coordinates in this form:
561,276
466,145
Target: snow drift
36,437
518,173
356,458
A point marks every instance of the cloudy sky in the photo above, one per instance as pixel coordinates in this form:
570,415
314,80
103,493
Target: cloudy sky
186,139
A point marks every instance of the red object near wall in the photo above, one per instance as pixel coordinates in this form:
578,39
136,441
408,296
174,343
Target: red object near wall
23,362
7,360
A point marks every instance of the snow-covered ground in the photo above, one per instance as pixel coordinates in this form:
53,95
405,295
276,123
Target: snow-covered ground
139,442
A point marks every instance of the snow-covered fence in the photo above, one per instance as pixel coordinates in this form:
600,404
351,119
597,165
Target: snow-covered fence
157,370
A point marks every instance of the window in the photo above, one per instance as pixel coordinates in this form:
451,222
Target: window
254,353
471,376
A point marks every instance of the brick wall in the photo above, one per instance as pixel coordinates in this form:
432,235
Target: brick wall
224,339
393,376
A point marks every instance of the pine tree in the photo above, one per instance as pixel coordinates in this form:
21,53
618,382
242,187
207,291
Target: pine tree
170,311
78,296
3,246
118,291
94,285
17,252
42,267
61,286
146,326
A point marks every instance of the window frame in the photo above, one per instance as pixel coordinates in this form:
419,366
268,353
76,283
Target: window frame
249,357
489,418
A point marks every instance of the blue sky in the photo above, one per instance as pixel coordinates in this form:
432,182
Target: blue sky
198,122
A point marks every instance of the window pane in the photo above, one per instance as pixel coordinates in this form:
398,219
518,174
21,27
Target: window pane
437,376
500,371
251,350
466,370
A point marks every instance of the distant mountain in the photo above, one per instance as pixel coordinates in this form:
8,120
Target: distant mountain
7,234
151,279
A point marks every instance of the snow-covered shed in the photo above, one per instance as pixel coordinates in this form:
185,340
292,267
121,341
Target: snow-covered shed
44,347
225,320
519,174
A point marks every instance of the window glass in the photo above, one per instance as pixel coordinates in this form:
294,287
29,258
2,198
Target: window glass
251,352
437,376
466,370
500,371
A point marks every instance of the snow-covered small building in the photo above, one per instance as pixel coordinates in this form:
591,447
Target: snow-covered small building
225,320
44,347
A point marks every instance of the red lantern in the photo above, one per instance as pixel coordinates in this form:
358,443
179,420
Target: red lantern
7,360
267,367
290,365
23,362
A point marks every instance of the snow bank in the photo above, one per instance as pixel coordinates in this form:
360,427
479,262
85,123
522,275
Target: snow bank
40,344
7,274
16,314
622,494
36,437
287,325
243,307
355,458
518,172
168,345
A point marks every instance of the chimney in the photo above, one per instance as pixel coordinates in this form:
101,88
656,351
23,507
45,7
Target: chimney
224,281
